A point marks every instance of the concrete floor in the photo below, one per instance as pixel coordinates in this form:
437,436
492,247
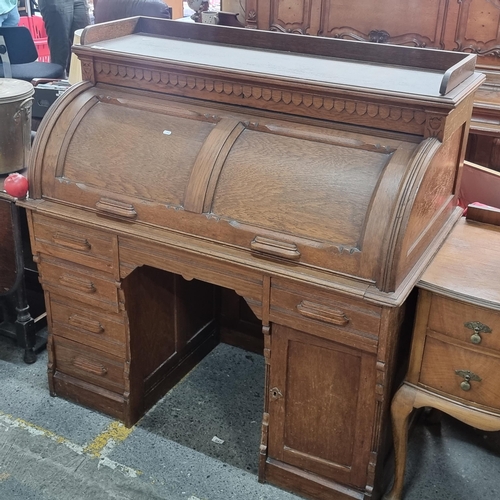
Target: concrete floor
51,449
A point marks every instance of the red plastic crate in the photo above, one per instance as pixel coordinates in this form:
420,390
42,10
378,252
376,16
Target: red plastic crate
37,29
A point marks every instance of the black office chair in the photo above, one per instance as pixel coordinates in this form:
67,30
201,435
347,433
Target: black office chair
19,56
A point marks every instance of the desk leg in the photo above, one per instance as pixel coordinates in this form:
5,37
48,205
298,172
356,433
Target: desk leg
401,408
25,325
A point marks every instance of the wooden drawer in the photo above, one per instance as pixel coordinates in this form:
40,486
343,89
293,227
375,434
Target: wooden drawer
442,360
87,364
458,320
90,395
79,283
92,327
325,314
78,244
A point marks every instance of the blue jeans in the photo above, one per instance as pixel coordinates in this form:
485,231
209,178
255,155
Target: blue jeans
10,18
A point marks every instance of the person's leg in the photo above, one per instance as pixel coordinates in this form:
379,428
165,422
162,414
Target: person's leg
10,18
81,18
58,18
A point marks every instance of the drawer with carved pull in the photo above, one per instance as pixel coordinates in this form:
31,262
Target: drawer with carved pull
80,283
86,246
92,327
469,323
461,372
327,315
87,364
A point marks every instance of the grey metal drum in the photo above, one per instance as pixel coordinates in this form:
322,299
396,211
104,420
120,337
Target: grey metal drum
16,98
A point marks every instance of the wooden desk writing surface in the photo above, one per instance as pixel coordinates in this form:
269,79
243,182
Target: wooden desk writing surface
159,186
420,81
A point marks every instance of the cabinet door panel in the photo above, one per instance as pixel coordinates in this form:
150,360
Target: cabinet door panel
296,16
409,22
321,405
478,27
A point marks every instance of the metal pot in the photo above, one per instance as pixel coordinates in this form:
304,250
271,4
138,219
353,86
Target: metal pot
16,97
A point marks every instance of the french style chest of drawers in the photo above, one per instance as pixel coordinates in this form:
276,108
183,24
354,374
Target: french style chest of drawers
455,356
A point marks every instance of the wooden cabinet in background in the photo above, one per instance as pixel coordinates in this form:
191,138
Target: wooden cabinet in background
471,26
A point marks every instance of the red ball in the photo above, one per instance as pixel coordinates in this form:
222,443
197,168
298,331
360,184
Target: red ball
16,185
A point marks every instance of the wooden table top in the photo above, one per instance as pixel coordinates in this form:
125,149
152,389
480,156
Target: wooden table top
467,265
419,81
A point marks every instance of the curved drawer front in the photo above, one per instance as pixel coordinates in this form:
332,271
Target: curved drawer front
462,373
90,365
469,323
79,283
325,314
85,246
92,327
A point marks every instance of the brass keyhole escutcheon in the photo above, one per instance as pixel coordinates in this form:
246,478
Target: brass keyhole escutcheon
477,327
275,393
468,377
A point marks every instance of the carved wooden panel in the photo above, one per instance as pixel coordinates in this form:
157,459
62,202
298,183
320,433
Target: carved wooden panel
296,16
417,23
478,28
463,25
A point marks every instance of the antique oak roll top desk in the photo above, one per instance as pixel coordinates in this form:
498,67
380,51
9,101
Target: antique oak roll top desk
315,178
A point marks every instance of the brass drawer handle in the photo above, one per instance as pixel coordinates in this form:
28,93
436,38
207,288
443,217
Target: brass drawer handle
468,377
77,283
477,327
275,248
72,242
87,324
90,366
323,313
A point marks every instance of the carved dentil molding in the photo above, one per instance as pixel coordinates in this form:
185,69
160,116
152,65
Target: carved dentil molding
339,106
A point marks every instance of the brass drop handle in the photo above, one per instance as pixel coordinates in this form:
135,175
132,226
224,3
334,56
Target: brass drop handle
477,327
468,377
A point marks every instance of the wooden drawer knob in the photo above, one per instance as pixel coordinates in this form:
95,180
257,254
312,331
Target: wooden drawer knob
115,209
72,242
77,284
323,313
90,366
275,248
92,326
